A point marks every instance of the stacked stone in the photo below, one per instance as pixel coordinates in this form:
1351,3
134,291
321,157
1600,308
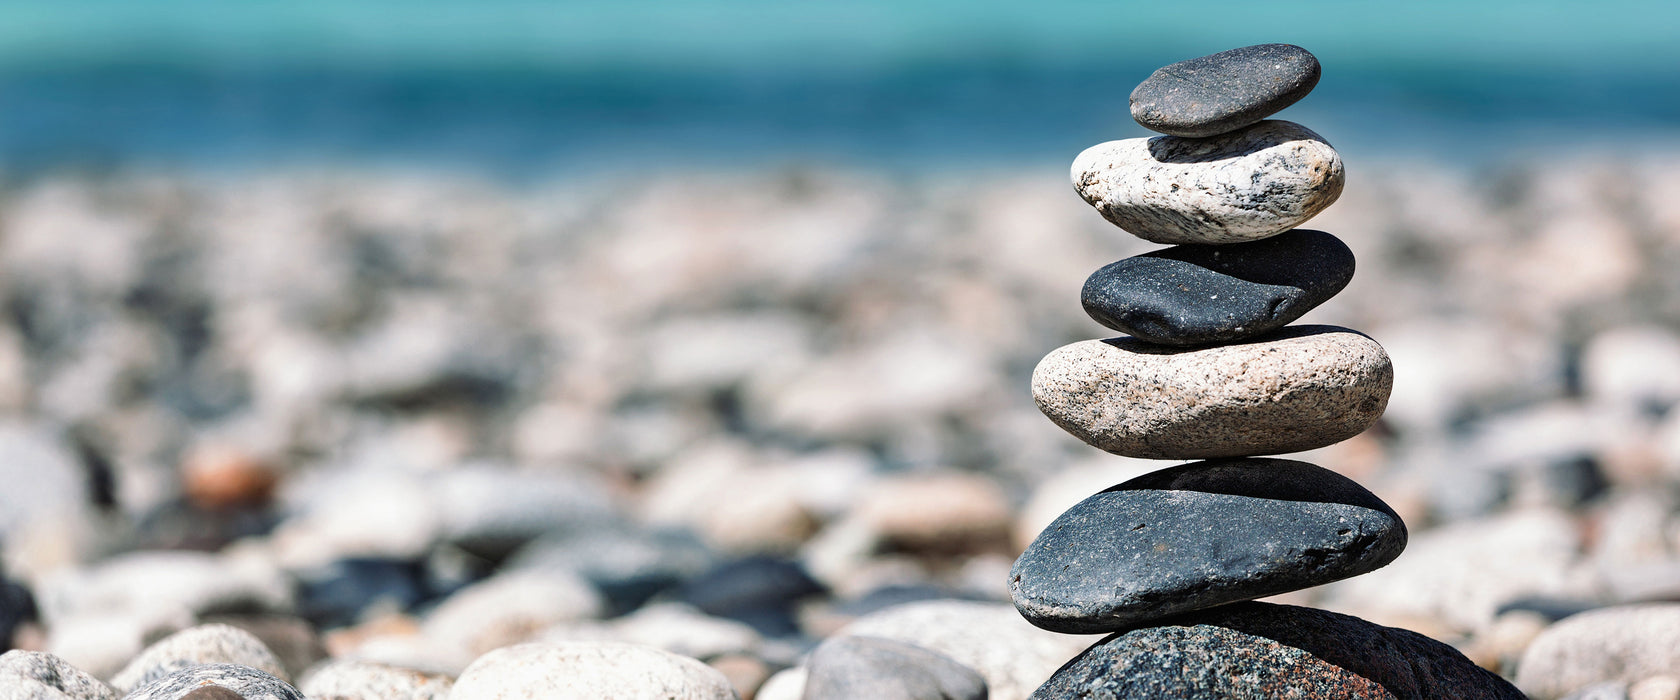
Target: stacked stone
1212,371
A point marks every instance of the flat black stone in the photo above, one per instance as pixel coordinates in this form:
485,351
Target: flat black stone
1209,294
1259,650
847,667
1199,535
1225,91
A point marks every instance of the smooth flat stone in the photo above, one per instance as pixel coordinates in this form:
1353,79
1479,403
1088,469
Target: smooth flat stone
1204,294
1225,91
1299,388
1257,650
1199,535
1246,185
847,667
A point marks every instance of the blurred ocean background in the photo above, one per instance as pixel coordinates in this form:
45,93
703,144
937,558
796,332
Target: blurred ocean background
524,88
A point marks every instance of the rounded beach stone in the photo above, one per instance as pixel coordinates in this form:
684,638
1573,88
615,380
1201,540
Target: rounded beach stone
192,683
1204,294
1224,91
365,680
32,674
848,667
204,644
1626,643
1257,650
588,671
1252,183
1300,388
1199,535
1014,657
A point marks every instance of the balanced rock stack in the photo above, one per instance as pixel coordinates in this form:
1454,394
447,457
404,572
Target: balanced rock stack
1212,371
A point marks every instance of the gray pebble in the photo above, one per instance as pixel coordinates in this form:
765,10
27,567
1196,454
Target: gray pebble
204,644
1205,294
1249,184
847,667
1257,650
247,682
1301,388
34,674
1225,91
1200,535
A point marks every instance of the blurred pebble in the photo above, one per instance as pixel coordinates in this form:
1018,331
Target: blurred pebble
760,591
1625,644
867,667
509,608
1012,655
588,671
627,565
1664,687
217,477
362,680
941,513
1634,368
198,646
292,639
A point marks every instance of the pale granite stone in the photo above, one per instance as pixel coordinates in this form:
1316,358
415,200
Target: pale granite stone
195,683
38,675
1301,388
204,644
345,679
1246,185
1626,644
588,671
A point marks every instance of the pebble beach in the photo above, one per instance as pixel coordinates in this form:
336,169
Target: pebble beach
388,426
1394,423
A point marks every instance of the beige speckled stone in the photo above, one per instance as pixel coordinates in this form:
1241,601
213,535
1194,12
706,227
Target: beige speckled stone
1249,184
1301,388
588,671
1626,643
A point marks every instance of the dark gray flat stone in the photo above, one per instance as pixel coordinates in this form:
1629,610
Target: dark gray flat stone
1225,91
1259,650
1200,535
847,667
1205,294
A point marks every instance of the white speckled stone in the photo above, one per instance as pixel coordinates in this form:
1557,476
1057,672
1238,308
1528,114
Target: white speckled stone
588,671
1627,644
34,675
1246,185
1301,388
205,644
365,680
249,683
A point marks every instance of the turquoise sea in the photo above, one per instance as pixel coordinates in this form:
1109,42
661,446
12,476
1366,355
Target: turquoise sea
522,88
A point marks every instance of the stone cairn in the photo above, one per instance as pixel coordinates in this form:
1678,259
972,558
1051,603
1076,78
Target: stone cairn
1170,561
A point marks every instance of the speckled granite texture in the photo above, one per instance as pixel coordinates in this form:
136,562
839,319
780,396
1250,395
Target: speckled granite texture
1301,388
1246,185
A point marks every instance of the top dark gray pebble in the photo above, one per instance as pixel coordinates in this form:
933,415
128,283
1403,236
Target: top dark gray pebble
1257,650
1205,294
1200,535
1225,91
